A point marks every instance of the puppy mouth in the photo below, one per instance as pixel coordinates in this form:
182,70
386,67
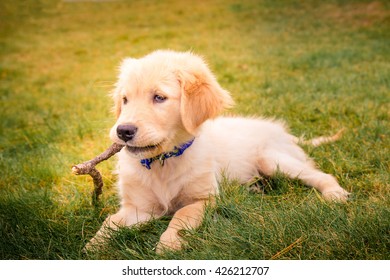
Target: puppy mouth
140,150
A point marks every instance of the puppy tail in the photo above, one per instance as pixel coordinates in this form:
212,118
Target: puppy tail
318,141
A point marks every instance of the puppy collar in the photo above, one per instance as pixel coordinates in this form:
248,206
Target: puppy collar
177,151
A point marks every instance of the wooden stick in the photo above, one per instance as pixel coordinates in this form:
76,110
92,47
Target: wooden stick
89,167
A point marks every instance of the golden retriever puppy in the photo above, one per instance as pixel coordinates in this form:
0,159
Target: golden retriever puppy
176,148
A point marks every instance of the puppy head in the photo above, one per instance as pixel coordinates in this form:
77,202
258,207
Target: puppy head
162,99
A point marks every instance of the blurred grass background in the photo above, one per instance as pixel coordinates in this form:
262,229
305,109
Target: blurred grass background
319,65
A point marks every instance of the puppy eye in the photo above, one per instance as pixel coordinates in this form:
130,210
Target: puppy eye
159,99
124,98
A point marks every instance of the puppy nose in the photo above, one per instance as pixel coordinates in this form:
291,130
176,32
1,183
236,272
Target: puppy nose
126,132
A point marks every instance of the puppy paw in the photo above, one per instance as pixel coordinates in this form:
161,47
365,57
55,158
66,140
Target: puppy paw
336,195
169,241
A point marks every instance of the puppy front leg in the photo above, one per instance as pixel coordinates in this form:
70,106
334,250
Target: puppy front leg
126,216
188,217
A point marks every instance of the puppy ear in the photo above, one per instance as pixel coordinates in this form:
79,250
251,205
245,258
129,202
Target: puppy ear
202,98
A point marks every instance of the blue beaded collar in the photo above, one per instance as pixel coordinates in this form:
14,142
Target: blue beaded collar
177,151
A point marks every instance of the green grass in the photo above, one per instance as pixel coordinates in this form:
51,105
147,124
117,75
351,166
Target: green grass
319,65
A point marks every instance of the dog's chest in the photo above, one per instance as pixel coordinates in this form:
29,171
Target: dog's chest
167,188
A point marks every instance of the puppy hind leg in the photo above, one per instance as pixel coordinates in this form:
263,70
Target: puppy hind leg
305,171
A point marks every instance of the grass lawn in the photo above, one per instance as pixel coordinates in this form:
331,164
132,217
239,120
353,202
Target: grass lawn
319,65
